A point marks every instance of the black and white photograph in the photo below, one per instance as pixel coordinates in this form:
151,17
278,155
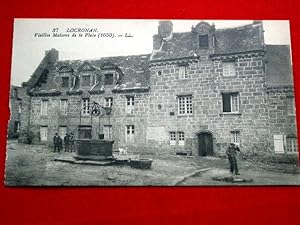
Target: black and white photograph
115,102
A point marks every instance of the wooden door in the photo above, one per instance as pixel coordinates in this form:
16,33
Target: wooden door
205,144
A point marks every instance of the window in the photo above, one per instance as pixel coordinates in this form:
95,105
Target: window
107,132
291,145
230,102
86,80
177,138
203,41
229,69
180,138
44,133
109,79
291,106
63,106
185,106
130,104
182,72
20,108
172,138
235,137
44,108
108,102
62,130
85,106
130,134
65,82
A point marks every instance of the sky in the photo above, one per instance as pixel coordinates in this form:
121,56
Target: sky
30,40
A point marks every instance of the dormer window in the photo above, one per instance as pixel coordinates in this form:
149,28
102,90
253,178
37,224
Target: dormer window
85,80
109,79
203,41
65,82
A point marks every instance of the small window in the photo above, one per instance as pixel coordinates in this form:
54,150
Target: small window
85,106
130,104
291,145
180,138
235,137
230,102
229,69
85,80
129,134
291,106
203,41
185,105
182,72
109,102
172,138
159,73
108,80
44,108
65,82
63,106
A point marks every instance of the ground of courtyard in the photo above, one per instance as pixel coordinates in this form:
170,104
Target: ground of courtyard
34,165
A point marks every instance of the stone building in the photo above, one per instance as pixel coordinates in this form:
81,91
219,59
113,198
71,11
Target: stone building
15,106
196,92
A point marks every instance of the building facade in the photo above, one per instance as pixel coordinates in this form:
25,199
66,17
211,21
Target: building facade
15,106
196,92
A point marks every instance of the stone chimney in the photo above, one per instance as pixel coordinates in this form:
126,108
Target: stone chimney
52,55
165,32
165,29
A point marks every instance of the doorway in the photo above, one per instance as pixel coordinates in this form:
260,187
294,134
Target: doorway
205,144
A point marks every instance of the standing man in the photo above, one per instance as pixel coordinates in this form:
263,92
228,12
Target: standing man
71,142
66,142
56,142
231,153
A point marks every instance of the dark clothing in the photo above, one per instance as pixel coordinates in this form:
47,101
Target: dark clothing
66,142
59,144
231,153
56,143
233,164
71,143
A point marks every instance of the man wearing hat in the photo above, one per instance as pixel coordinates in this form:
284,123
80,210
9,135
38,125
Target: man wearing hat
231,152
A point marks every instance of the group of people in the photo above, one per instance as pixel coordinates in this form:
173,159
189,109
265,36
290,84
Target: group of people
68,142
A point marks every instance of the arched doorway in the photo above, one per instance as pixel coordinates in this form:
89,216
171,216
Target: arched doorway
205,144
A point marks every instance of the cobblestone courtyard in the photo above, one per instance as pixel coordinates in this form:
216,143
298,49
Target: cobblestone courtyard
35,165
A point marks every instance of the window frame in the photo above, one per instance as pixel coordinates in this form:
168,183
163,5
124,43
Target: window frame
185,105
232,103
173,138
108,102
230,68
182,71
236,137
64,111
44,107
89,82
181,138
291,145
201,36
130,104
112,78
85,108
130,134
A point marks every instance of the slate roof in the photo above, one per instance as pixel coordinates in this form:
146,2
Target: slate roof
278,65
134,72
230,40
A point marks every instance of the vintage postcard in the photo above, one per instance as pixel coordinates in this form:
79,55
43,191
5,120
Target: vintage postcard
151,102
